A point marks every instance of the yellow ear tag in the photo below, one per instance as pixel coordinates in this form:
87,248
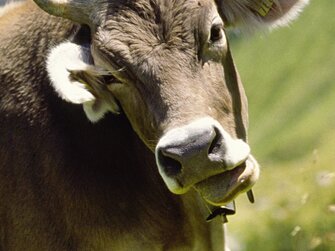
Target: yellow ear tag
265,7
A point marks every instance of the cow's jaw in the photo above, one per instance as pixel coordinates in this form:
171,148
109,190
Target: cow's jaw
202,155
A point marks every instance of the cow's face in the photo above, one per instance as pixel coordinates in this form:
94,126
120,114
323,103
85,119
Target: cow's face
168,65
176,82
170,68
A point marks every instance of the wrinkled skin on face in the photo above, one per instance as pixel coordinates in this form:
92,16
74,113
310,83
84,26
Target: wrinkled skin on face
170,71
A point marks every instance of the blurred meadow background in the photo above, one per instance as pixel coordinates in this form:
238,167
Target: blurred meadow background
289,76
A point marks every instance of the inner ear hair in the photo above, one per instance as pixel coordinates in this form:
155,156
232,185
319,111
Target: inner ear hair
94,79
89,77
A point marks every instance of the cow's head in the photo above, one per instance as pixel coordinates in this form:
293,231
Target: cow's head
168,65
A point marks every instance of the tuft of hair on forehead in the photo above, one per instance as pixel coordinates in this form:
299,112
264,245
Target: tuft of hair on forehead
177,19
138,27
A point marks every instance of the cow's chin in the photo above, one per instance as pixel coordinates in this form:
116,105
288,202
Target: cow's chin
220,189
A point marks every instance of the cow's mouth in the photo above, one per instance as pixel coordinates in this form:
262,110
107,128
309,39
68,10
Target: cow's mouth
222,188
203,156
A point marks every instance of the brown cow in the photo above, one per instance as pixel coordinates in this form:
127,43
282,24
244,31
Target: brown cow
157,79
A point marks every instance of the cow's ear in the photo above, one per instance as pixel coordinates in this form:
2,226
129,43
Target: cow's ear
255,13
77,80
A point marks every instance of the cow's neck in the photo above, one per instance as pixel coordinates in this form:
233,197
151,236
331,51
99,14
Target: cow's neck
111,185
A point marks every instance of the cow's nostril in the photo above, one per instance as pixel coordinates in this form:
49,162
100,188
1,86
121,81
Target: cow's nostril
216,143
170,166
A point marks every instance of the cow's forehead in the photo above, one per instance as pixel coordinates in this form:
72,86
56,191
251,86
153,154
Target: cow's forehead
134,29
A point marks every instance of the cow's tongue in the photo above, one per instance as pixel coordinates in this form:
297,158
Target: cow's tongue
220,189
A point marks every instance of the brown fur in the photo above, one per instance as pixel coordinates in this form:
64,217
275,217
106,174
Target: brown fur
67,184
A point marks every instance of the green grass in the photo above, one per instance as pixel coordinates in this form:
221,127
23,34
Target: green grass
297,195
289,76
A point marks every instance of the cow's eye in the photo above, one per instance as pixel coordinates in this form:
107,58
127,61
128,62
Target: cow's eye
215,43
109,79
216,33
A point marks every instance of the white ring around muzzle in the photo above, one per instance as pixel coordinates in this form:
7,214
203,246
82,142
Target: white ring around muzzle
233,152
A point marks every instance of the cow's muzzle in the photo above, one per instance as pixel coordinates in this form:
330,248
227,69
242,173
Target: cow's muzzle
204,156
